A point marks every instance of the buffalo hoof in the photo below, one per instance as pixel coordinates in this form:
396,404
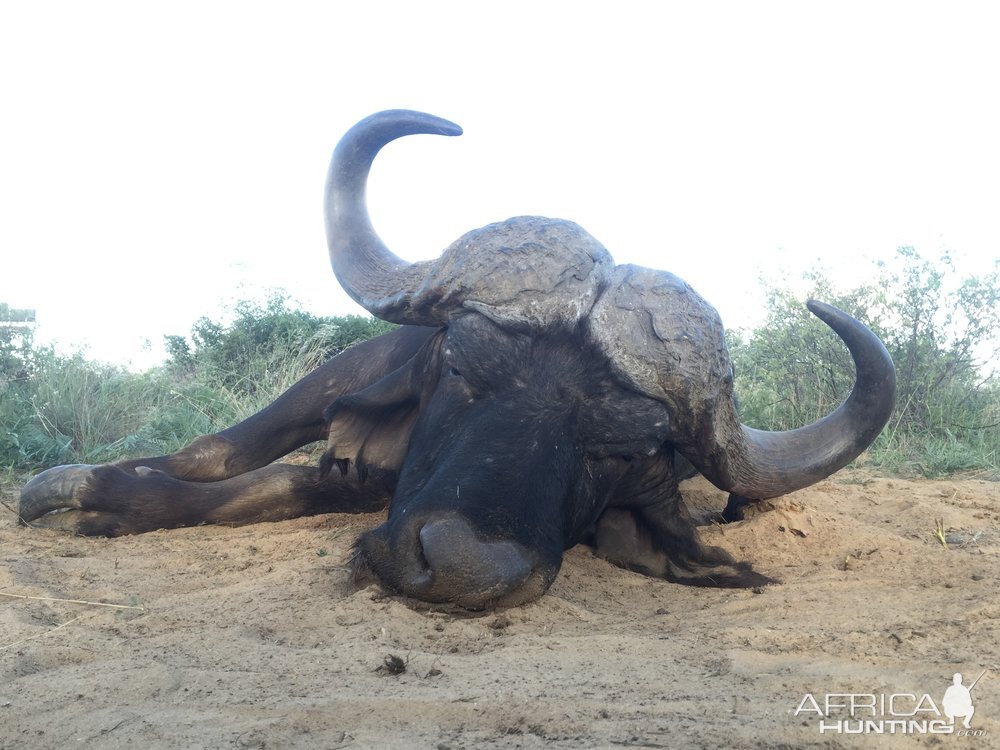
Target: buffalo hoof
53,490
57,499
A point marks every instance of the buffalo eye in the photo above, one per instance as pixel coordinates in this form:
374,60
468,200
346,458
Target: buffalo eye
454,372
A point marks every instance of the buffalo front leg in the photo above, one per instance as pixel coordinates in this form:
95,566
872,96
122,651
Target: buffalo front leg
661,543
111,501
295,419
648,529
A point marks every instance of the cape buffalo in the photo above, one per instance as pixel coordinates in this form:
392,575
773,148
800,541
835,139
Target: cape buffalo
537,395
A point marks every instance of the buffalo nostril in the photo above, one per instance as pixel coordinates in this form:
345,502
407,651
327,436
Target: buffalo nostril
459,563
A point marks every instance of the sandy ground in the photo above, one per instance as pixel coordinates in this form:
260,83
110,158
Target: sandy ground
254,638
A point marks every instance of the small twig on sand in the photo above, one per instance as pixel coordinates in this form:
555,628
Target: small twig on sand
71,601
39,635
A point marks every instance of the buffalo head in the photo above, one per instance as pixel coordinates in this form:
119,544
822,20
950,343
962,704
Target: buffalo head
547,406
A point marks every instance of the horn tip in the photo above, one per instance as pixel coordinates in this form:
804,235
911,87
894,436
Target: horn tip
825,311
450,128
411,122
814,305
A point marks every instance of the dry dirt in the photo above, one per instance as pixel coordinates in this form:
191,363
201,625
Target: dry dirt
253,637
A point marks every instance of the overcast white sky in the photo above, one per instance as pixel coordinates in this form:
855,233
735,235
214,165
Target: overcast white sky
160,159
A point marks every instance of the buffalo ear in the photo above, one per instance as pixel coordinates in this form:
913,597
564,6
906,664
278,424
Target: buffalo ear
372,427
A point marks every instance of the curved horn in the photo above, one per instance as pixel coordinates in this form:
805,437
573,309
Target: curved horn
665,340
369,271
527,270
761,464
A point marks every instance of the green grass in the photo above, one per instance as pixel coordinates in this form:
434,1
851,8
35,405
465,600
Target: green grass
74,411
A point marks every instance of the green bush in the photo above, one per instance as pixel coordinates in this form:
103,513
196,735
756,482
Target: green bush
263,342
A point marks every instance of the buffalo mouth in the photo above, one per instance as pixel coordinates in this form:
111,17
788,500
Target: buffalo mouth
441,559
